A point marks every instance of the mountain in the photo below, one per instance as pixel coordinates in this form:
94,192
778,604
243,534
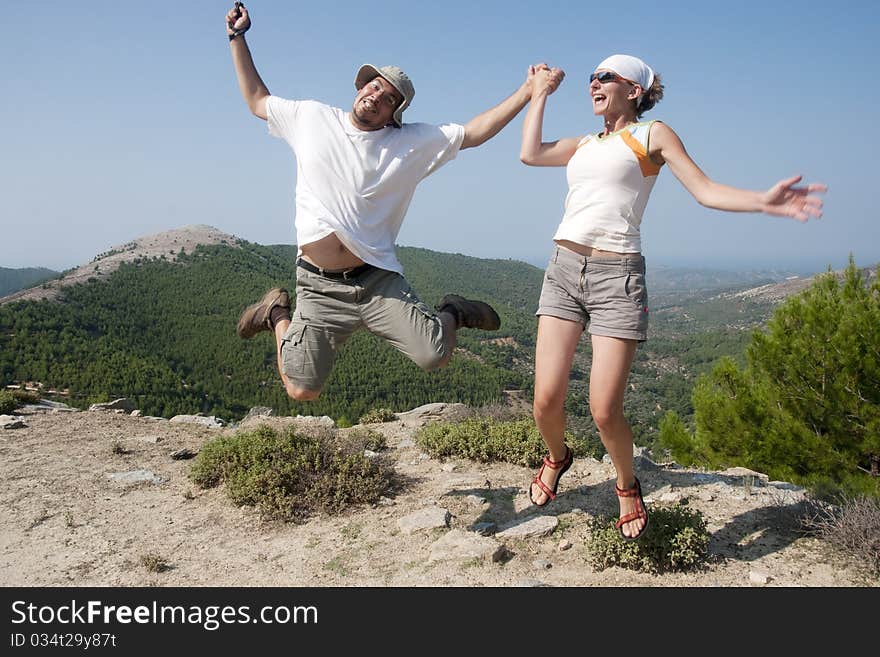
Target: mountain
13,280
775,292
166,245
683,279
154,320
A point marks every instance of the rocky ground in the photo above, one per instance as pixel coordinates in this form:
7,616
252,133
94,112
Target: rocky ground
94,498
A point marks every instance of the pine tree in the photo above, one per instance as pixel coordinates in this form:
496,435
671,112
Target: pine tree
806,407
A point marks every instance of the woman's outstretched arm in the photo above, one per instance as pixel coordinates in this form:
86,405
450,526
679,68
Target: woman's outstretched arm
783,199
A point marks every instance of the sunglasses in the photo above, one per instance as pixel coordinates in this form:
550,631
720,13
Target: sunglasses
608,76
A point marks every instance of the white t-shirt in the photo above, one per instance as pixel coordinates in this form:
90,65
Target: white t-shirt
356,183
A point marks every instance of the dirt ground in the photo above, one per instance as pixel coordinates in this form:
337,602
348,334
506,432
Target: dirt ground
67,522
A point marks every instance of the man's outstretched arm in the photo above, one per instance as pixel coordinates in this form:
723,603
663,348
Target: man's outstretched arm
483,127
252,87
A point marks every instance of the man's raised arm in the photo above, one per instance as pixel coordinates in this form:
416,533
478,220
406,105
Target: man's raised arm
252,87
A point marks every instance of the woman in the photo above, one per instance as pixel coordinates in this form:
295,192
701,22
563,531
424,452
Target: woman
596,274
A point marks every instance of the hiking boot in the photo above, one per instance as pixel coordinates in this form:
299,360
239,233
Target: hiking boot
256,317
470,314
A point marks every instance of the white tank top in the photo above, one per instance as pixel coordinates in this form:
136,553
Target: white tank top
609,181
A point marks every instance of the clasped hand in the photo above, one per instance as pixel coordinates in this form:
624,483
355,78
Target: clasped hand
545,79
237,20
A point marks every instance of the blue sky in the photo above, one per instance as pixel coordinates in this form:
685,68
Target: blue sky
124,119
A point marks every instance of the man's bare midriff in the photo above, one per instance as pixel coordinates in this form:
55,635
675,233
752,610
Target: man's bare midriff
589,251
330,254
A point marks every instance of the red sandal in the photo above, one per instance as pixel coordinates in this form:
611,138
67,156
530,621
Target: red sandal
640,512
562,466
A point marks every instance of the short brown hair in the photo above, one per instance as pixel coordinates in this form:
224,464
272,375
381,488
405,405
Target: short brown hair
650,97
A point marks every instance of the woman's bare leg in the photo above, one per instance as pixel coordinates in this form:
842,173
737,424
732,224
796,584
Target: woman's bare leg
554,352
612,361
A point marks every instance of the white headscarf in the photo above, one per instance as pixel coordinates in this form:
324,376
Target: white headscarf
631,68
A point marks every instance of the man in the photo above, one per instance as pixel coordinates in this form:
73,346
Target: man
356,174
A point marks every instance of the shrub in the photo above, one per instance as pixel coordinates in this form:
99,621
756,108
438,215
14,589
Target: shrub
154,563
367,439
485,439
25,396
676,540
852,527
291,476
377,416
8,402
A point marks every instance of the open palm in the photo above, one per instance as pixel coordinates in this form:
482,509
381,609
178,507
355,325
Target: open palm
786,200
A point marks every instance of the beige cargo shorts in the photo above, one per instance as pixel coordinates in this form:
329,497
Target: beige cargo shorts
608,294
329,310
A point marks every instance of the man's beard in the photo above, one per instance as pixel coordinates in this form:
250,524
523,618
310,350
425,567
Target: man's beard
366,117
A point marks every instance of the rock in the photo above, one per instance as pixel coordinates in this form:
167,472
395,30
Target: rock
453,483
565,544
432,517
209,421
421,415
123,404
11,422
259,411
706,478
182,454
542,564
476,500
308,424
644,464
44,405
758,578
670,497
485,528
540,526
462,546
784,485
314,421
134,477
744,474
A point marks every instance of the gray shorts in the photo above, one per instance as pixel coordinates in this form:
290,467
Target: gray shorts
329,310
608,293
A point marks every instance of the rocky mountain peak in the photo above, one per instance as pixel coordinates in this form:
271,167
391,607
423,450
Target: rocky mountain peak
168,243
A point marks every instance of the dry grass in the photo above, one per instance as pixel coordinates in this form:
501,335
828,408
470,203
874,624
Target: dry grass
154,563
852,526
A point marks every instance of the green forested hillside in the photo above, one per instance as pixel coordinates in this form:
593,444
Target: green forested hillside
13,280
164,335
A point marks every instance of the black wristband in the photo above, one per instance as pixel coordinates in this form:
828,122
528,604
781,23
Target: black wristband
236,33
